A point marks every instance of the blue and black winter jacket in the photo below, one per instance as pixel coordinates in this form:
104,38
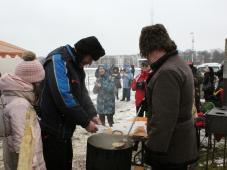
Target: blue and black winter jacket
64,101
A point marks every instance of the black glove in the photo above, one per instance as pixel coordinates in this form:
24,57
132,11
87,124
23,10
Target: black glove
140,85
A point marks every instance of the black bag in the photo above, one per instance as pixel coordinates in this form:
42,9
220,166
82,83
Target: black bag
95,89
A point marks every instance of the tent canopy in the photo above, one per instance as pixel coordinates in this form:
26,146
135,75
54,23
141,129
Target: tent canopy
10,49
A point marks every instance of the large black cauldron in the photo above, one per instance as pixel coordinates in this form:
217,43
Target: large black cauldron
101,155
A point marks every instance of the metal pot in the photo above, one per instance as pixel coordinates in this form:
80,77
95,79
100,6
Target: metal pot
102,155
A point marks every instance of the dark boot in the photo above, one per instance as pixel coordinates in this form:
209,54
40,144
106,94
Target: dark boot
102,119
110,120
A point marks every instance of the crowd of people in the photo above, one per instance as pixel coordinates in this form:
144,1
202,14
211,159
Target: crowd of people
44,103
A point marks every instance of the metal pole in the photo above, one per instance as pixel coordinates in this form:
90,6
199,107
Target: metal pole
208,147
193,41
225,76
152,12
213,150
88,82
224,154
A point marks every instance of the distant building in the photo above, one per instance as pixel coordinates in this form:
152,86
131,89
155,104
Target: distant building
118,60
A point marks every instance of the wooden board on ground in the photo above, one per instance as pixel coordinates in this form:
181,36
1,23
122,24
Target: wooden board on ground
143,119
137,168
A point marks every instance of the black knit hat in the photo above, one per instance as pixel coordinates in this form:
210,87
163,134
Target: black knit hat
155,37
90,45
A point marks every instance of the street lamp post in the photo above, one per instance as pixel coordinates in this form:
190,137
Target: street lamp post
152,12
193,42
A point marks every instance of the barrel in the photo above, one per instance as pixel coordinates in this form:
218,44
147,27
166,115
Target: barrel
102,156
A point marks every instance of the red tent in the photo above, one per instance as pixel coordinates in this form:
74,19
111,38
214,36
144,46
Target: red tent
10,49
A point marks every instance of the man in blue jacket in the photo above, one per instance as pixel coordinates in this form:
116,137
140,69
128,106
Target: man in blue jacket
64,101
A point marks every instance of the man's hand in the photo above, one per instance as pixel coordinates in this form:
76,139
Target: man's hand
91,127
96,120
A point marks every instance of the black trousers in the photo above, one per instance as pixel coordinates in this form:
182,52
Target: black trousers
126,94
116,93
58,153
109,118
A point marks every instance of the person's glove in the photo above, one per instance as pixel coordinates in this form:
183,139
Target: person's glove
140,85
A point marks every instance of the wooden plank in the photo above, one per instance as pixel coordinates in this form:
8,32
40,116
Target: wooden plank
137,168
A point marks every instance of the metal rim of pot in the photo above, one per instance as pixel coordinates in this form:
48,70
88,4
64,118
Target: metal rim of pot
105,141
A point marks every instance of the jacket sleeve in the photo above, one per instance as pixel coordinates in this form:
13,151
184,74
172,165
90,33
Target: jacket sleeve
130,76
134,81
17,123
133,86
165,110
58,82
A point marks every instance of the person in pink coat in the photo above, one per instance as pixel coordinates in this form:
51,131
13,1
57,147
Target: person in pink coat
19,94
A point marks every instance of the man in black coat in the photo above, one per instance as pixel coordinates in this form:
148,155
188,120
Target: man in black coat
65,102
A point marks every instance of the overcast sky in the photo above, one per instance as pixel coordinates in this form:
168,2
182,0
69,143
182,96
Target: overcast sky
43,25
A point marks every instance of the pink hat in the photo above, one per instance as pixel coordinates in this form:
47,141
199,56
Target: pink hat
30,70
